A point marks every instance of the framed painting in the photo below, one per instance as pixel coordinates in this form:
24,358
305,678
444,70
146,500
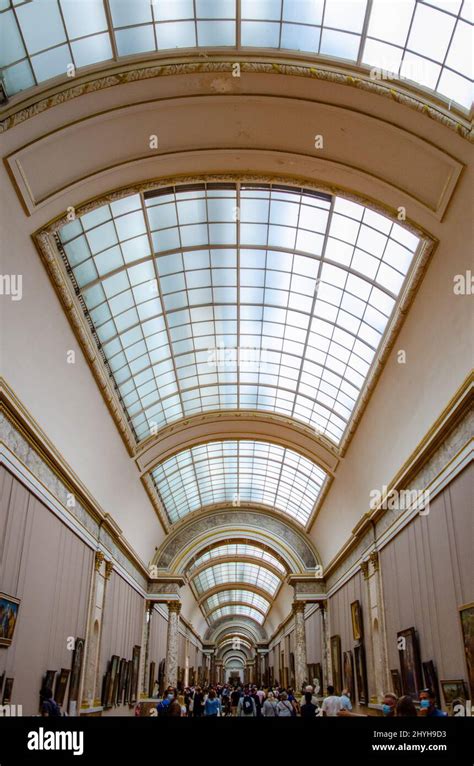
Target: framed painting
348,673
61,684
122,681
361,674
396,682
76,669
466,614
2,678
431,679
7,691
116,683
454,693
128,685
410,665
356,618
8,618
152,678
48,680
135,668
113,670
105,688
336,663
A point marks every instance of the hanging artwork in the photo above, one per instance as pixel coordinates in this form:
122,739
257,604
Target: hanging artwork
135,669
336,663
361,674
152,678
410,666
348,673
7,692
76,669
431,679
466,614
61,684
356,618
113,669
396,682
8,618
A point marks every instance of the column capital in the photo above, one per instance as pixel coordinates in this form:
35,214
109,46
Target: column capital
109,568
374,560
298,606
99,557
364,565
174,606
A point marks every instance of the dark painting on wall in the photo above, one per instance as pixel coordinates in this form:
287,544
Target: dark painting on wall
396,682
122,681
431,679
76,669
348,673
152,678
336,663
128,686
361,674
2,678
356,618
466,614
7,691
105,689
135,669
113,669
8,618
410,665
48,680
61,684
454,693
116,684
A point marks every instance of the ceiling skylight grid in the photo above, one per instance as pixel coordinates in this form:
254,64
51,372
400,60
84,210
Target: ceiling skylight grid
424,41
241,596
238,472
258,298
236,572
236,550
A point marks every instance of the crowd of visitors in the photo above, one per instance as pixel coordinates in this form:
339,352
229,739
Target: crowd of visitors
251,701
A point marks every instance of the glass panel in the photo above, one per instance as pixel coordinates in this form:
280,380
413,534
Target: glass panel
135,40
41,25
11,47
90,50
86,20
125,13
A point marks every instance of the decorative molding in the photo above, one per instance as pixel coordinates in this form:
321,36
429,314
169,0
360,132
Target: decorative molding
99,558
109,568
174,606
26,440
352,76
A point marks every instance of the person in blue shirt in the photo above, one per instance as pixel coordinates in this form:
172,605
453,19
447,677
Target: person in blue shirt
212,706
346,701
427,705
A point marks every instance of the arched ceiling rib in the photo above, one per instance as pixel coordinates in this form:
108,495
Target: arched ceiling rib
273,532
237,550
425,41
233,296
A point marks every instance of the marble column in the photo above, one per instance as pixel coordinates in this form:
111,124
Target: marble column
145,659
376,647
91,688
174,608
301,669
327,674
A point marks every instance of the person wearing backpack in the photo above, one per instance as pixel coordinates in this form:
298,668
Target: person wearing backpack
284,707
49,706
246,707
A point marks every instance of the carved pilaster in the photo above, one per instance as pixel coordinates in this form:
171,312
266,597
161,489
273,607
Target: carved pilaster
364,565
300,644
174,608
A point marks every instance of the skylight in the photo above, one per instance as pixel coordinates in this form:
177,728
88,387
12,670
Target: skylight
236,550
238,297
241,596
231,611
425,41
236,572
237,472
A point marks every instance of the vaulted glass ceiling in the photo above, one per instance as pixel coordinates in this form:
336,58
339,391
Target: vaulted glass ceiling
237,472
426,41
238,596
212,297
236,572
236,550
235,611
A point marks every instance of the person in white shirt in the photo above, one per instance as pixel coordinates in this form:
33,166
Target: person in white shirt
309,690
332,704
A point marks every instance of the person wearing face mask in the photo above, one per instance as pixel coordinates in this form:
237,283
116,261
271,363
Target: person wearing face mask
388,705
427,705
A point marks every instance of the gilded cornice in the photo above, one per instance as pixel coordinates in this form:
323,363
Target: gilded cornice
356,77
